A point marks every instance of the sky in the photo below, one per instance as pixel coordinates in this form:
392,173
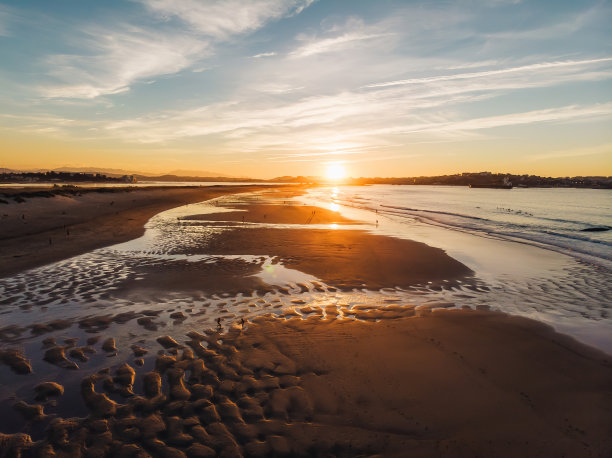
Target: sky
266,88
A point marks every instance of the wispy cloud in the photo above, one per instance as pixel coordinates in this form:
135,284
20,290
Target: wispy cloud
353,32
118,59
277,88
561,114
333,44
526,69
221,19
4,21
327,124
263,54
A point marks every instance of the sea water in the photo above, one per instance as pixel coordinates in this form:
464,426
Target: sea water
528,245
572,221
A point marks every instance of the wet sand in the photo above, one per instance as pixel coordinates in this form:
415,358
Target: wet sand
343,258
447,383
346,259
444,383
39,230
283,212
310,380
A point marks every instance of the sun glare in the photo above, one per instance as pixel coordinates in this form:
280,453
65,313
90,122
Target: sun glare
335,172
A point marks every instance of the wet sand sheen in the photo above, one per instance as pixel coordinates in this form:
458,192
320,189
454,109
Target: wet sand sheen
322,379
345,259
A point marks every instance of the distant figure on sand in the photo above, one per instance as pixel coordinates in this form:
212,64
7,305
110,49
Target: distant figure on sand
242,322
219,323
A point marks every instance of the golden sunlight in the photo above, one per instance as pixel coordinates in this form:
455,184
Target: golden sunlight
335,172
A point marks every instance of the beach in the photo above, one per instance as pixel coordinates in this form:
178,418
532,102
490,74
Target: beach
256,324
40,230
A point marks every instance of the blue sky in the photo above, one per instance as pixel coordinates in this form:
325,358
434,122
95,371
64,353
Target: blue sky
272,87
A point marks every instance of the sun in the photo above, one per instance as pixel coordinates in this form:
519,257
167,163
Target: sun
335,172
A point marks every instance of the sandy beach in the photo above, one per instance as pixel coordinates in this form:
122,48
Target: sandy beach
38,230
277,376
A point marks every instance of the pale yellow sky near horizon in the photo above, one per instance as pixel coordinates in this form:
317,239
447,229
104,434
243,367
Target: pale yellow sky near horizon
36,153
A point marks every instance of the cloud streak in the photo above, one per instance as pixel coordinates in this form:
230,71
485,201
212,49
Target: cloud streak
333,44
525,69
117,60
221,19
5,19
119,57
263,54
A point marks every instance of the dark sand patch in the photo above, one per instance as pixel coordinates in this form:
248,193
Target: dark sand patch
344,258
